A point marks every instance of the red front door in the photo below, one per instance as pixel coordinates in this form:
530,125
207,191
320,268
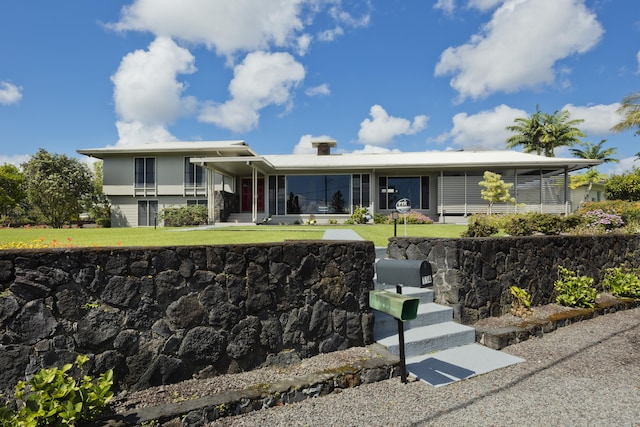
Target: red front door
247,194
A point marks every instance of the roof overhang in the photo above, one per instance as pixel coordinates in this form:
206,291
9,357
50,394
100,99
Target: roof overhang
235,166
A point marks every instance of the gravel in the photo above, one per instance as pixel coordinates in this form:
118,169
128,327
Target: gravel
585,374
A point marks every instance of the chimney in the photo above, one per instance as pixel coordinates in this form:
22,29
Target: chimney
324,147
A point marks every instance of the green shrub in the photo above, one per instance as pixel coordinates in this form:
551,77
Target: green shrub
184,216
481,225
574,290
53,397
360,215
622,282
380,218
534,222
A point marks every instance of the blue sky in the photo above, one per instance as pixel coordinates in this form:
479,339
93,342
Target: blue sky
406,75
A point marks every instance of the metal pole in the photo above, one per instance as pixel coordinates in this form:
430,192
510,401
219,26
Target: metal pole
403,362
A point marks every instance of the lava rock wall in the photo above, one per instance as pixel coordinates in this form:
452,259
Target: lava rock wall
166,314
473,275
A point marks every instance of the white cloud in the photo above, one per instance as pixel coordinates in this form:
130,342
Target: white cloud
15,160
383,128
598,119
226,26
447,6
146,93
262,79
625,165
304,144
232,26
486,128
517,50
135,133
10,93
375,149
484,5
321,90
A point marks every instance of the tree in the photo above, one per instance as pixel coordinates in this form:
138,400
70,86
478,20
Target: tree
630,111
495,190
595,151
542,133
624,187
592,175
99,205
11,188
57,186
528,133
560,131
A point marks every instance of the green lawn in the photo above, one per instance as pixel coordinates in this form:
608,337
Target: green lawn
378,233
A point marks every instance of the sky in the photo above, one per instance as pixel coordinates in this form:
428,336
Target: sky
376,76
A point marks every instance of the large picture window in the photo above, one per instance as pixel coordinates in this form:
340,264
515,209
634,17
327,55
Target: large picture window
392,189
318,194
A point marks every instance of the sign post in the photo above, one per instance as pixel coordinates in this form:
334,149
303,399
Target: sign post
404,207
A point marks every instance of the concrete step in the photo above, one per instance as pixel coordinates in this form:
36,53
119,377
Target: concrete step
427,339
458,363
428,314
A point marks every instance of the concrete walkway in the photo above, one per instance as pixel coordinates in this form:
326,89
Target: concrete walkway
341,234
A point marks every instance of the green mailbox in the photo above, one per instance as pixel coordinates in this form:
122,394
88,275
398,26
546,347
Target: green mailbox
402,307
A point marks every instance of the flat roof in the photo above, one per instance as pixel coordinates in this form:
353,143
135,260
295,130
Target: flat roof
238,157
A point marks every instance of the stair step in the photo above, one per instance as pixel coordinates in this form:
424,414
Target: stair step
427,339
428,314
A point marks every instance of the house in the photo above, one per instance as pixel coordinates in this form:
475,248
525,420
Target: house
239,185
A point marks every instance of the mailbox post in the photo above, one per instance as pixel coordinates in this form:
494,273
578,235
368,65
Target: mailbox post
401,307
398,273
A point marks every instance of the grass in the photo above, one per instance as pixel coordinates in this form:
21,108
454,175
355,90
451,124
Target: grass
104,237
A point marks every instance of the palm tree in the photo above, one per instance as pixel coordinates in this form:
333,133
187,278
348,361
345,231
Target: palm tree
592,175
542,133
560,131
595,151
630,110
528,133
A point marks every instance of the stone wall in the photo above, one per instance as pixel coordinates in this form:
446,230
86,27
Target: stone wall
473,275
161,315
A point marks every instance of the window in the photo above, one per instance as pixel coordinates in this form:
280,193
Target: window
147,212
392,189
195,176
360,190
145,172
318,194
197,202
276,195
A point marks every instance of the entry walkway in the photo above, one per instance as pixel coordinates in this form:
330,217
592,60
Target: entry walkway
341,234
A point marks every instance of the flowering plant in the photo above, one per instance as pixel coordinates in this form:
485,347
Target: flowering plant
601,219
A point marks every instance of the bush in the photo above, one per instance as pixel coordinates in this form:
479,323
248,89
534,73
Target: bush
481,225
413,217
53,397
535,222
360,215
184,216
574,290
622,282
629,211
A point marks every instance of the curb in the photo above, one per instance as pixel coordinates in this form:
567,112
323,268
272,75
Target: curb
498,338
382,366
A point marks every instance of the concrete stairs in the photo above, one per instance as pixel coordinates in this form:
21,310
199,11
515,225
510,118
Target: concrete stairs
242,218
438,350
432,330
